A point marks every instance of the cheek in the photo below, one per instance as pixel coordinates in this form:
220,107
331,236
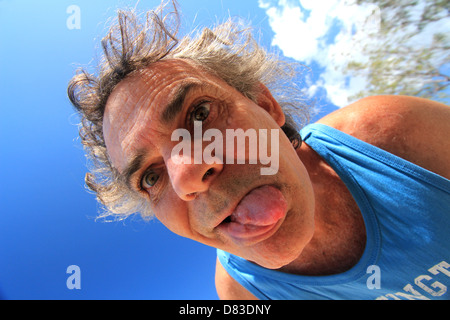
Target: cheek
172,212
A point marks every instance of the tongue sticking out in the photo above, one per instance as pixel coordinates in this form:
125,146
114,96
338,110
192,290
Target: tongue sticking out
261,207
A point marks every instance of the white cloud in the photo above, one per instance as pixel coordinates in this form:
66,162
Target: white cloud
303,30
331,33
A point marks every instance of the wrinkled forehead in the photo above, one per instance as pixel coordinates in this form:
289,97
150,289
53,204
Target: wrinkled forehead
168,71
137,99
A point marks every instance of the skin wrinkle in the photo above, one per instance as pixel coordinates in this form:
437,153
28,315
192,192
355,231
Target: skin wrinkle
131,129
126,116
197,218
128,144
134,166
323,231
174,107
232,54
219,199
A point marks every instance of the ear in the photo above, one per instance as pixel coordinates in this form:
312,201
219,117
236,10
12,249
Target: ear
266,101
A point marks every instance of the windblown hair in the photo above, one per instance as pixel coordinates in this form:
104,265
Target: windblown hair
228,51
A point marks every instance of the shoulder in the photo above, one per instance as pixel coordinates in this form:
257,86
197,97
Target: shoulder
412,128
378,118
228,288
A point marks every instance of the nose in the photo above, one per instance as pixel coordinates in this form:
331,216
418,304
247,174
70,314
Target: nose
189,180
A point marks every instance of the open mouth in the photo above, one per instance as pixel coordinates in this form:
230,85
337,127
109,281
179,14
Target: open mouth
227,220
256,215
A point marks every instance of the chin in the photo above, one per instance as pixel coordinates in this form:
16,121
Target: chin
274,258
281,251
276,263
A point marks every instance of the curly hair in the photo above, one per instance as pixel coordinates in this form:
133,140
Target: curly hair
228,51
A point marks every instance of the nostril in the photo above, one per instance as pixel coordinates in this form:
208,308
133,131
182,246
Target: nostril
207,174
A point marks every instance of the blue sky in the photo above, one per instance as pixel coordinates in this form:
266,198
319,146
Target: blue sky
47,219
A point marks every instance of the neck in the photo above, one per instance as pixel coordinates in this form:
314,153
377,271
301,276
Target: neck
339,235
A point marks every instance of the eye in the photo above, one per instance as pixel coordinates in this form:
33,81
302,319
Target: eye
201,112
149,180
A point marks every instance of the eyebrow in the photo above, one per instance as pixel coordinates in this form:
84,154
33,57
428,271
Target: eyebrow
133,166
175,105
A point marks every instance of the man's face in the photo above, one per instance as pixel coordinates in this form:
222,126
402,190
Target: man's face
267,219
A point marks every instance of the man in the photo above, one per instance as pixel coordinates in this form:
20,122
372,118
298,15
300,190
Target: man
358,210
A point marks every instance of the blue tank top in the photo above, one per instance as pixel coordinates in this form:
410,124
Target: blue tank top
406,211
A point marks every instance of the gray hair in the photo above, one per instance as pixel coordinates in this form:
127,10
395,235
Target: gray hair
227,51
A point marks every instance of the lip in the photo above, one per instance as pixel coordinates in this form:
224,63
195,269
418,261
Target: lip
246,234
233,207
